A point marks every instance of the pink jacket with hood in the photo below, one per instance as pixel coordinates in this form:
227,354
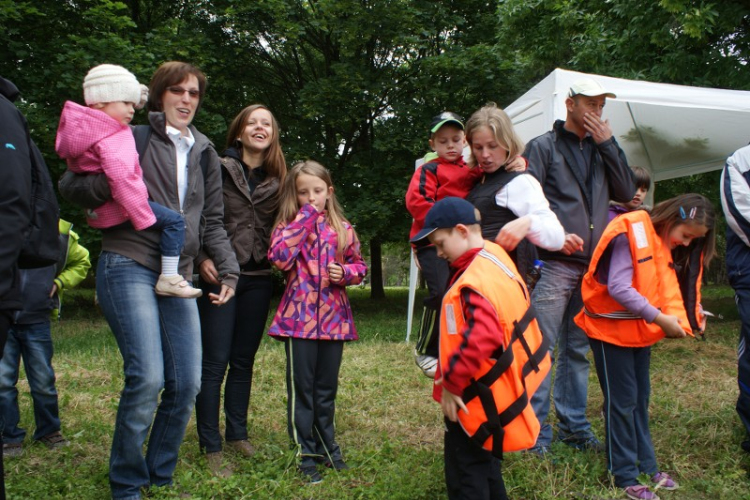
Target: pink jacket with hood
92,142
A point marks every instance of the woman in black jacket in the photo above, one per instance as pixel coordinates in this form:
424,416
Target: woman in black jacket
253,168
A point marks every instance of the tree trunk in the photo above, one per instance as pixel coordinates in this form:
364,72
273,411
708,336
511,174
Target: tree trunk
376,270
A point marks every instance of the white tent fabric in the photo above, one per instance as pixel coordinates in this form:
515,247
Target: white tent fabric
672,130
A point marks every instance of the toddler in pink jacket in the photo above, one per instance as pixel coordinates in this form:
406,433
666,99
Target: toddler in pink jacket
96,139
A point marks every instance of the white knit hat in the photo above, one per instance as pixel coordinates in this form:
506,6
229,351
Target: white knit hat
110,83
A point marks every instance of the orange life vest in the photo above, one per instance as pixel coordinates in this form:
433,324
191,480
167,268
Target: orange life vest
498,398
654,277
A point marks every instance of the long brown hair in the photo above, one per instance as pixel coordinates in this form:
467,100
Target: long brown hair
692,209
289,206
273,157
499,123
172,73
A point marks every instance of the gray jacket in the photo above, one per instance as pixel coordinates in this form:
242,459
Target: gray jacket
580,202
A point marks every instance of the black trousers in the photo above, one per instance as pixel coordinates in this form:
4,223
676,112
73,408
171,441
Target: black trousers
436,273
231,336
471,472
312,380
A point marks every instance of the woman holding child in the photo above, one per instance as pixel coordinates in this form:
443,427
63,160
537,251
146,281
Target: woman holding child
253,168
159,337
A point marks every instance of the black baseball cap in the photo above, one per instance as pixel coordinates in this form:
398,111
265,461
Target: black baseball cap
447,213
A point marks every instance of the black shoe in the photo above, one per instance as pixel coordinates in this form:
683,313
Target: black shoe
338,465
311,474
746,445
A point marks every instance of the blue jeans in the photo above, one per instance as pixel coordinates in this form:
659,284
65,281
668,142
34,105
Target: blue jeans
33,343
557,299
172,227
160,343
231,337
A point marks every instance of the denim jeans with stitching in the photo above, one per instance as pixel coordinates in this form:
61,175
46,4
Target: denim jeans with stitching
557,299
33,344
159,339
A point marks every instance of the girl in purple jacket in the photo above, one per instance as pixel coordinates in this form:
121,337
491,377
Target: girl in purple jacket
318,250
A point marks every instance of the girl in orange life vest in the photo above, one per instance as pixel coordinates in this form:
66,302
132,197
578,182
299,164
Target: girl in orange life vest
632,298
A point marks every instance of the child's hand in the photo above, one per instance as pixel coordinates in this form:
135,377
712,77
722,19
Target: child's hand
670,325
53,291
335,272
451,403
517,164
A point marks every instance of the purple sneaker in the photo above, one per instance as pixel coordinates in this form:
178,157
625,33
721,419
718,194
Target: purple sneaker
664,481
640,492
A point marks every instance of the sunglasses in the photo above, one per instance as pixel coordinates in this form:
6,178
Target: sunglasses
179,91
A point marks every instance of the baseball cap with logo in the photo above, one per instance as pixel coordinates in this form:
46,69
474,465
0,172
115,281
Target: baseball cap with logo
444,118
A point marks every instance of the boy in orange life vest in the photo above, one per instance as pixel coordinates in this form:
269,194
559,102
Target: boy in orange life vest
643,284
471,332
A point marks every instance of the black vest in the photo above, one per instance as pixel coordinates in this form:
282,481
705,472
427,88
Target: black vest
482,196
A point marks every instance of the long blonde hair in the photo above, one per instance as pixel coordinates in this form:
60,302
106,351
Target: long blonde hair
499,123
289,206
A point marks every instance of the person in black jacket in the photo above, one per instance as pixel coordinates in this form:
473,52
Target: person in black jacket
15,208
580,167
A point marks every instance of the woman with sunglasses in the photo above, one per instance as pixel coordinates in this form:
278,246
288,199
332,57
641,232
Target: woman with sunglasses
159,337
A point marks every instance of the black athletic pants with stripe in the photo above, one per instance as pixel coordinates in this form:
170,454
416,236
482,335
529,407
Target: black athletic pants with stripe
312,379
436,273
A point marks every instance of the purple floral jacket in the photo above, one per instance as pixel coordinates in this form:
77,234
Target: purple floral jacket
313,307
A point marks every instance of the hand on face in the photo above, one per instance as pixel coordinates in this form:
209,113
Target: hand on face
312,190
599,129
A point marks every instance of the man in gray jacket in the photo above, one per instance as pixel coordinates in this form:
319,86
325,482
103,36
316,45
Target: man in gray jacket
580,167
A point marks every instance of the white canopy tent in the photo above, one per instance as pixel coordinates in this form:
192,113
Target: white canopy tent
672,130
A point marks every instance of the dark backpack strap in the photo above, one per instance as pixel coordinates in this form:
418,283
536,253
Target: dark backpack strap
142,135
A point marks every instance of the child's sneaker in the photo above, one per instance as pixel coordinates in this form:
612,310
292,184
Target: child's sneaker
175,286
311,474
426,363
664,481
640,492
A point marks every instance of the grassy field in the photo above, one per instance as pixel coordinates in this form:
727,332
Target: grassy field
387,424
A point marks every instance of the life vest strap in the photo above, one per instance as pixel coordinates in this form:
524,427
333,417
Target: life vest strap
495,425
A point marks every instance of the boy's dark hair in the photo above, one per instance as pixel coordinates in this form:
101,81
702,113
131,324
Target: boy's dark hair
642,177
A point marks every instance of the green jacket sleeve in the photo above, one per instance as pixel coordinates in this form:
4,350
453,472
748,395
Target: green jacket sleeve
76,265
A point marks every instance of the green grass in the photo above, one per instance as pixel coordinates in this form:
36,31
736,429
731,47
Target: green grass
387,424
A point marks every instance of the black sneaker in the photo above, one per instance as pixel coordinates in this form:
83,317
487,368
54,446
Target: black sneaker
311,474
338,465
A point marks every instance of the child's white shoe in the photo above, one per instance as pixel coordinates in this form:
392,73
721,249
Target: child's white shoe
175,286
